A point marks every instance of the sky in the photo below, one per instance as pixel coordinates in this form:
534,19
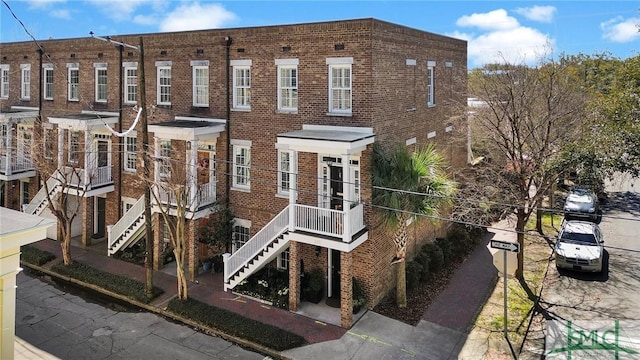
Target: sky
496,31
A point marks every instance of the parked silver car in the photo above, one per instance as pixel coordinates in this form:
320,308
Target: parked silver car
581,203
579,246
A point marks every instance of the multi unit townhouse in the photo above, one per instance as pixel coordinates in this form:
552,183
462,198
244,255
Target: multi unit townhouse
277,122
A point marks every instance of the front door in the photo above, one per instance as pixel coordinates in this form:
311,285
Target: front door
334,269
336,187
101,208
103,153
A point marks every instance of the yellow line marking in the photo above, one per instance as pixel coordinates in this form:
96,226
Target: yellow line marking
265,306
237,298
320,322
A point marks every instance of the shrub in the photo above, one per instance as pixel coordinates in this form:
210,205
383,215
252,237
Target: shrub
436,257
447,248
358,295
236,325
423,259
35,256
460,239
122,285
414,272
314,286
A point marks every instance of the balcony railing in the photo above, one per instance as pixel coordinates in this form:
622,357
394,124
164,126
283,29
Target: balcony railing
328,221
206,196
19,163
75,177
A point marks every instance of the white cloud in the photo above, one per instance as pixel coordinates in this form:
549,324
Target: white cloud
516,46
460,35
195,17
43,4
493,20
538,13
122,10
620,30
145,19
60,14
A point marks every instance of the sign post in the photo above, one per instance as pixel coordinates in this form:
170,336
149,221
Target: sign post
505,246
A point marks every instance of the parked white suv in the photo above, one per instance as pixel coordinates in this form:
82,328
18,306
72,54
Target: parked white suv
579,246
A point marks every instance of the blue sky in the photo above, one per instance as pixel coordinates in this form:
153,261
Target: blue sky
517,31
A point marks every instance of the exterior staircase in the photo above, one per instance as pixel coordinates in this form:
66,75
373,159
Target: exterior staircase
41,200
261,249
128,230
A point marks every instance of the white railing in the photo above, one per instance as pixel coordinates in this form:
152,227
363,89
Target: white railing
356,218
257,243
206,194
18,163
318,220
130,217
41,197
74,176
101,176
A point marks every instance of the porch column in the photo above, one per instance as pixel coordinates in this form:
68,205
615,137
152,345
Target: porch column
294,275
346,289
60,146
156,155
346,199
88,166
87,220
192,174
293,189
9,156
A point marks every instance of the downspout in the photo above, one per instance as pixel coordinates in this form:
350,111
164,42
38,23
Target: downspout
119,139
229,175
40,95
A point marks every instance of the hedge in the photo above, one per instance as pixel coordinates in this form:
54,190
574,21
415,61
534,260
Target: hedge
35,256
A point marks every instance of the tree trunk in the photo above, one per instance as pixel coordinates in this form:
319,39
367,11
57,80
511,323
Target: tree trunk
520,233
181,278
65,245
401,284
539,215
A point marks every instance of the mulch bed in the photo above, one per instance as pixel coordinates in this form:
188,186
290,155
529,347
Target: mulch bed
420,298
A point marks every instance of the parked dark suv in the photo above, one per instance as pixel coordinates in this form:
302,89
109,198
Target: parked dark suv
581,203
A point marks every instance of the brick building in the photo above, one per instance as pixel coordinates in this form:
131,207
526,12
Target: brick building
278,120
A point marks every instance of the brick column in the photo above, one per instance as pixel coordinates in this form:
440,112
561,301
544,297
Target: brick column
294,275
346,289
87,220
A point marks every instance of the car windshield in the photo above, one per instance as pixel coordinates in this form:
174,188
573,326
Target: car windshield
577,237
580,198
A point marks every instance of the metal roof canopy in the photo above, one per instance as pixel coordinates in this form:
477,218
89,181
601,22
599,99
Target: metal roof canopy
338,140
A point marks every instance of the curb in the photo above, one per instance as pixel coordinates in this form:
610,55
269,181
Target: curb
160,311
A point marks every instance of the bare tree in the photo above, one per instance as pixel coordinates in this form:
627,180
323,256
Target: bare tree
528,115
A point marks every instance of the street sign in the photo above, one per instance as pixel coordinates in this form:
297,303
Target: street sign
506,245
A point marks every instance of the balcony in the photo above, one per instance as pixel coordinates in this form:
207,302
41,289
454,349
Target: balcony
86,181
329,222
196,202
13,166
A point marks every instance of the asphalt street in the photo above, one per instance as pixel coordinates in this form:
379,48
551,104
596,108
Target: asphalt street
65,326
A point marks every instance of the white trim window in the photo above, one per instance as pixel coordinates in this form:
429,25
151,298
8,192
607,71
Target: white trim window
73,78
164,85
49,142
4,81
101,83
431,80
164,162
131,84
25,84
283,260
284,172
287,84
74,146
48,82
200,83
241,84
241,165
130,153
340,85
240,233
3,138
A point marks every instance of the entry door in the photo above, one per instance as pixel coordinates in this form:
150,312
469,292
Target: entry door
336,187
103,153
101,208
334,274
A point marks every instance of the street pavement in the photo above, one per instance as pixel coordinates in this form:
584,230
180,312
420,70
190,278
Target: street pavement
54,324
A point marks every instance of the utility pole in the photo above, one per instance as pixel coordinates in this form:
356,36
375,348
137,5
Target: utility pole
148,262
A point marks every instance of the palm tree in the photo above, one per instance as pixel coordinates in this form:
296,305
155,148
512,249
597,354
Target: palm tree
408,185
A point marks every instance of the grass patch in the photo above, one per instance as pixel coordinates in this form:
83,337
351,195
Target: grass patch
236,325
35,256
122,285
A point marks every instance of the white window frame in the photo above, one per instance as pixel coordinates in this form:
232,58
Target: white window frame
73,153
3,137
130,153
164,153
287,84
241,84
25,81
283,260
101,86
285,170
200,83
240,234
73,82
340,88
163,84
49,142
4,81
48,82
130,83
241,170
431,81
127,204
